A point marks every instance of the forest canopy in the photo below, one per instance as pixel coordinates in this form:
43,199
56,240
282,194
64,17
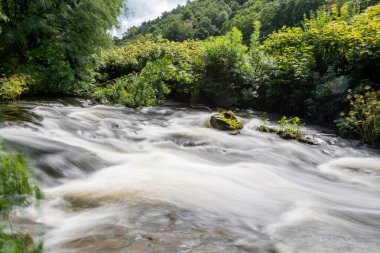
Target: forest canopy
204,18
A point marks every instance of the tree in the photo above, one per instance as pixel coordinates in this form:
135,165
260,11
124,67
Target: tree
54,41
179,30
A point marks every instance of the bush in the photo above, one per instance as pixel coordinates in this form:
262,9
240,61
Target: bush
13,87
160,63
227,68
143,89
300,70
290,128
363,119
133,57
285,71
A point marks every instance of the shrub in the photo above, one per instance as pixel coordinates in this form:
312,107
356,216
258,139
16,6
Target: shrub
133,57
284,71
13,87
363,118
290,128
227,68
112,92
300,70
143,89
140,93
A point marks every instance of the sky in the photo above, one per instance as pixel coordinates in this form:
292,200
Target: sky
144,10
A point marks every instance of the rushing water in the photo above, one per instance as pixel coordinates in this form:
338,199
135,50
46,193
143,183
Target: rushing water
157,180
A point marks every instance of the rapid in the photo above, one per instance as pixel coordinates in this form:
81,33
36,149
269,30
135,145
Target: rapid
158,180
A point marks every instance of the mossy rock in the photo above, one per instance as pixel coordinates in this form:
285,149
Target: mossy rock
267,129
308,140
226,121
288,135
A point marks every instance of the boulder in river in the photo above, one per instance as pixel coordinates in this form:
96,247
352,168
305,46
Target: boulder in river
226,121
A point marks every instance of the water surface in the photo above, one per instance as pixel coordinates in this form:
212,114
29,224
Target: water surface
157,180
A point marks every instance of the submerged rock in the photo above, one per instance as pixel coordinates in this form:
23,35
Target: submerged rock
226,121
267,129
309,140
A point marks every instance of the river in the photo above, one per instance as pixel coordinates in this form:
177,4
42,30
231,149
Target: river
157,180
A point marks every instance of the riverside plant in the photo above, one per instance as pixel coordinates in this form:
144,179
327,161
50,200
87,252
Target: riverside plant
363,117
289,128
13,87
15,190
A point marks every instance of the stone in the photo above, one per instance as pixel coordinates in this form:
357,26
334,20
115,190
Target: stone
226,121
308,140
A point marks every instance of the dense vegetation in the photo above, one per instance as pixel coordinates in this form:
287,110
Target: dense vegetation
48,46
305,70
204,18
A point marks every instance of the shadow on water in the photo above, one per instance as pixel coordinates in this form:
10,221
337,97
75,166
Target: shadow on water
16,113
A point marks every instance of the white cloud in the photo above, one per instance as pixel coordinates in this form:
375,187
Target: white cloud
144,10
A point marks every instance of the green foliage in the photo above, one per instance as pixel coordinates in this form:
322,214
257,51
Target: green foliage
15,190
153,66
14,183
150,85
363,118
13,87
111,92
273,15
205,18
130,90
308,70
17,243
140,93
227,68
305,70
54,41
290,128
284,70
198,19
218,67
133,57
